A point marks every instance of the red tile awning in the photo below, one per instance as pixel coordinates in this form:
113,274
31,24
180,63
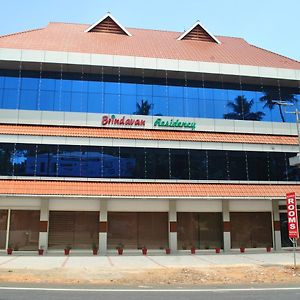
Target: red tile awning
136,189
138,134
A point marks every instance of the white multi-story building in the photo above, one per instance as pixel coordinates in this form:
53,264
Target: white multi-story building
112,135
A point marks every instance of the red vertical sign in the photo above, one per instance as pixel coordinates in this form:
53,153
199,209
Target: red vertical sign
291,206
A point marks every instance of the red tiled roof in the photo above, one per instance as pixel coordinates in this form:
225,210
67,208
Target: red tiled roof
118,189
144,43
194,136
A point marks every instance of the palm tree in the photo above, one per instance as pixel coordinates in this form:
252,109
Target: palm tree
143,108
241,110
272,95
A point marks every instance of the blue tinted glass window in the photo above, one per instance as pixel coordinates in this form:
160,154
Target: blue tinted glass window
176,91
47,100
297,102
11,82
175,107
258,166
268,114
79,102
115,162
10,99
278,167
237,165
157,163
220,94
217,162
219,108
111,87
6,154
233,94
91,162
128,105
191,108
68,161
128,88
94,103
144,89
209,108
160,106
111,103
46,160
80,92
28,100
111,162
160,90
80,86
24,160
1,82
30,83
57,103
192,92
48,84
66,85
66,101
144,106
202,108
198,164
208,93
95,87
179,164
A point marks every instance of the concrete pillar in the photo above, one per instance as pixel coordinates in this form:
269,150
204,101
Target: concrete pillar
44,224
226,225
7,228
172,226
103,227
276,225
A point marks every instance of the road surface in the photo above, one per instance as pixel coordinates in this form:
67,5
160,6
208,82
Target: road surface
15,293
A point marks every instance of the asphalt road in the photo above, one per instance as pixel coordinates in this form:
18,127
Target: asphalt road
12,293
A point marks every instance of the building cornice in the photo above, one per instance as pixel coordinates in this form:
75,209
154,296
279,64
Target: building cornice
134,62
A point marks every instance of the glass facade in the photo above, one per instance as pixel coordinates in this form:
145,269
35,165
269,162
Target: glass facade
135,230
101,93
144,163
202,230
251,229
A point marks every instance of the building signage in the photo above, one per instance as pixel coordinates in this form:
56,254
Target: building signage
174,123
123,121
291,206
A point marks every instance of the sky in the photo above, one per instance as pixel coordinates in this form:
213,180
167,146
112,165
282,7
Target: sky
270,24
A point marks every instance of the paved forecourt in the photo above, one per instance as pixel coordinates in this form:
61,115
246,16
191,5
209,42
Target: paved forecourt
134,261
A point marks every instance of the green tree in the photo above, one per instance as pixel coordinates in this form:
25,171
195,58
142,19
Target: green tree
241,110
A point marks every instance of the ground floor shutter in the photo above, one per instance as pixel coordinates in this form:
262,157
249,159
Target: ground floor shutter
76,229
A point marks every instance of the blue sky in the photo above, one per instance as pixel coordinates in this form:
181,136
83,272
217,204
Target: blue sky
270,24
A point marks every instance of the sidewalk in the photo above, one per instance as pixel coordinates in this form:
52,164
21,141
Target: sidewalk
135,260
155,269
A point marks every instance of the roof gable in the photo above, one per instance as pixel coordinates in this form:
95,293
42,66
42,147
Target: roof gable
146,43
198,33
108,24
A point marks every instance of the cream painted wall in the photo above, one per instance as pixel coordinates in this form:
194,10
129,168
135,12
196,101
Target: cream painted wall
71,204
158,205
199,205
250,205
